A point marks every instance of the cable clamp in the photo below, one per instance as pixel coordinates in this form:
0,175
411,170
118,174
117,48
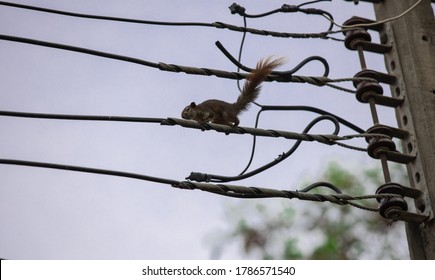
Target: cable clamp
237,9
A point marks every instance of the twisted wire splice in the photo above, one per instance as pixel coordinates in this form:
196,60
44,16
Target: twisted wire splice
329,139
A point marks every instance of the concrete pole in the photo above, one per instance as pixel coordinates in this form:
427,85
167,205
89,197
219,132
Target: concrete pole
412,61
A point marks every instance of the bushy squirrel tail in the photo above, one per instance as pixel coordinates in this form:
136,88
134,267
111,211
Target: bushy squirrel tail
252,86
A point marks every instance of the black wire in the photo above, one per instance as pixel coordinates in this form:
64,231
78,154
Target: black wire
173,183
312,2
254,144
237,9
78,49
314,110
65,13
216,189
221,179
280,73
220,46
80,117
325,139
136,119
294,108
280,76
108,55
161,66
321,184
230,191
263,14
89,170
138,21
242,43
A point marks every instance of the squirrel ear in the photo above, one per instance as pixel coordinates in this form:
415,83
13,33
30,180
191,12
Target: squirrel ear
192,104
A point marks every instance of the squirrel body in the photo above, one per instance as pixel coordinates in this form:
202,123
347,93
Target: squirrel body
221,112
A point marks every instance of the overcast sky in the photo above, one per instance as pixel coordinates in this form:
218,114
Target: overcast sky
53,214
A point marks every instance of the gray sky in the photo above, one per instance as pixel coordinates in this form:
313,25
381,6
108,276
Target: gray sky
52,214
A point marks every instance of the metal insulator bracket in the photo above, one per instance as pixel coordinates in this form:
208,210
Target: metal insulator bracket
361,37
395,156
369,46
386,146
396,208
379,146
397,214
385,100
383,146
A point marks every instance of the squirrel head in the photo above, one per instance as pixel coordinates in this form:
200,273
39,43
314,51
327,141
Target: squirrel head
188,112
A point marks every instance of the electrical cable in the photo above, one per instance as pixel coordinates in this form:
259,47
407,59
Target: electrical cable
108,18
313,110
195,176
242,43
204,177
328,139
288,73
220,189
237,9
279,76
219,25
88,170
201,177
79,117
78,49
264,108
312,2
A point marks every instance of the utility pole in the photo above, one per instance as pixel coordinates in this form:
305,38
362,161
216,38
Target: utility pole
412,60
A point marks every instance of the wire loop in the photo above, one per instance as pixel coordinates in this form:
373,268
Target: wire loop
282,74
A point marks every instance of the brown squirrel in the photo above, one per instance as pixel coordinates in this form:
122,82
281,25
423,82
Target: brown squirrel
221,112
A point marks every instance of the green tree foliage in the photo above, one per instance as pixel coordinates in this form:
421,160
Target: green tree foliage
317,230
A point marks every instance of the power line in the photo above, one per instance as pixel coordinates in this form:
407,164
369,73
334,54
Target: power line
237,9
288,73
329,139
88,16
204,177
79,117
219,25
88,170
313,110
221,189
200,177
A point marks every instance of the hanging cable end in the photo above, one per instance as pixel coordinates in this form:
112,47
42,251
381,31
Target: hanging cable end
237,9
199,177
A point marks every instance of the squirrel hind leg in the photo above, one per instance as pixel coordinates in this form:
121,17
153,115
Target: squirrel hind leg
233,120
